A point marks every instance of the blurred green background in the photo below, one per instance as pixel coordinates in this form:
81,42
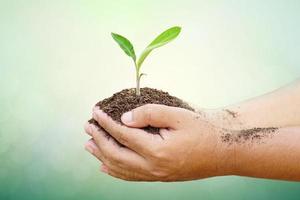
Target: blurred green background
57,59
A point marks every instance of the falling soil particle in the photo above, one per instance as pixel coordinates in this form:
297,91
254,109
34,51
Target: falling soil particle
254,134
127,100
232,113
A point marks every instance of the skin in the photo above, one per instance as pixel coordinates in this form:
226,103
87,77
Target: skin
192,146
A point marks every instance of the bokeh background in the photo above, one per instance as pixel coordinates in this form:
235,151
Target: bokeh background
57,59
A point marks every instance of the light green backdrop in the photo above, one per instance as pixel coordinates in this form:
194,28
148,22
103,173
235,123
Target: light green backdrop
57,59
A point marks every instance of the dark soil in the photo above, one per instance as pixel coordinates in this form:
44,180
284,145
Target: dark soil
254,134
127,100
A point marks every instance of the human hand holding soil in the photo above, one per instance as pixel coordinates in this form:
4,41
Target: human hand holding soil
258,138
187,147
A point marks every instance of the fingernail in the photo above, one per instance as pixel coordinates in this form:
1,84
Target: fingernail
104,169
127,117
89,149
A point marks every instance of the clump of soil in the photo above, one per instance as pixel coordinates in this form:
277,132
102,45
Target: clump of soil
254,134
127,100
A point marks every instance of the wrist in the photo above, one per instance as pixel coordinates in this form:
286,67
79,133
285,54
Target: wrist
225,122
226,155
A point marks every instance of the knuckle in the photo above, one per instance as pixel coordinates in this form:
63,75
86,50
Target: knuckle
159,153
122,136
148,110
118,132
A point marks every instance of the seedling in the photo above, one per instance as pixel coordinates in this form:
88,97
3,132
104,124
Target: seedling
164,38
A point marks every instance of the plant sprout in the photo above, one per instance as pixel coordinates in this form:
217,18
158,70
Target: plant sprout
164,38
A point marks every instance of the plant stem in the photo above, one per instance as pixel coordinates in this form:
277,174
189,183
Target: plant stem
137,89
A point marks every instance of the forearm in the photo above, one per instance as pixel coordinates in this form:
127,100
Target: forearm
275,157
280,108
264,133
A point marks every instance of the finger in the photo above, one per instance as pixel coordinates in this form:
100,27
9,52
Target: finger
155,115
124,175
91,147
136,139
125,171
87,128
120,156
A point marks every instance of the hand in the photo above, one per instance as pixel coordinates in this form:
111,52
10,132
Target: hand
188,147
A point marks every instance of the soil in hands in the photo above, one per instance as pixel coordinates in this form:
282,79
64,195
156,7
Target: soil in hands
127,100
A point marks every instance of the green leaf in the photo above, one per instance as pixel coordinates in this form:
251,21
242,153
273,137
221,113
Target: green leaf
125,44
164,38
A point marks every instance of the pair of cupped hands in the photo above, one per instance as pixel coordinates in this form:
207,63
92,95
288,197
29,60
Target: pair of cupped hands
187,148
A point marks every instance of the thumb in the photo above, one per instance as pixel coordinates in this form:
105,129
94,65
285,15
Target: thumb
155,115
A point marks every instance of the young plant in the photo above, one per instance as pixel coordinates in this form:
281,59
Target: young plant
164,38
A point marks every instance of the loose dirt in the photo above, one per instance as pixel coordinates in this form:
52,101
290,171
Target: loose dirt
127,100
